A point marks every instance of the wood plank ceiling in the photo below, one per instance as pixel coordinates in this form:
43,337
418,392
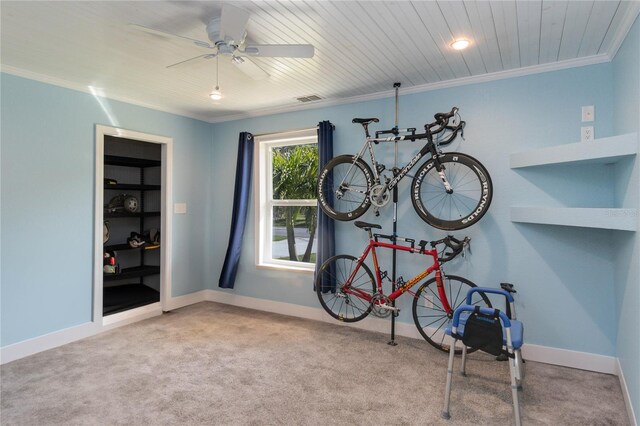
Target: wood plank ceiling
362,47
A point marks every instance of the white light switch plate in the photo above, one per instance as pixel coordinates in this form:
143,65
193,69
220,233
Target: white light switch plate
180,208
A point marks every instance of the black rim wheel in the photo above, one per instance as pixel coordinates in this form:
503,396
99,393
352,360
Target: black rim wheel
343,188
469,201
339,304
429,315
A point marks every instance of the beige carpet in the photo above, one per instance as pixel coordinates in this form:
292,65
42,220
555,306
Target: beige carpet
220,365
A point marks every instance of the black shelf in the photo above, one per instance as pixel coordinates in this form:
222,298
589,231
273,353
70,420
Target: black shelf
135,272
127,214
121,247
128,289
132,187
125,297
114,160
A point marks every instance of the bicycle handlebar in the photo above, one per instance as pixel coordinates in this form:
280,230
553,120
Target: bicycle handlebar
442,123
442,116
454,244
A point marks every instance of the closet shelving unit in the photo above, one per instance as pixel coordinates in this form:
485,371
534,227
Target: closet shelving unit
609,150
118,298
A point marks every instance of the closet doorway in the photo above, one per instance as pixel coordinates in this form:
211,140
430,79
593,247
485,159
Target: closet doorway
132,268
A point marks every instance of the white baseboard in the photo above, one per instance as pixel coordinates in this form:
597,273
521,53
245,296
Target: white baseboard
58,338
370,323
48,341
133,315
625,394
568,358
545,354
186,300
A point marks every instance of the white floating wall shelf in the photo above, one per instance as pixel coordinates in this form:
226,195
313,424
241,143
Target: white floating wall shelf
601,151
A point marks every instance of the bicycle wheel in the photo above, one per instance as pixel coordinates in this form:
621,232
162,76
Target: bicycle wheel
343,188
338,301
429,314
469,201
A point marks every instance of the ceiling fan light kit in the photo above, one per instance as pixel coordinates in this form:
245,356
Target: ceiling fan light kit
216,95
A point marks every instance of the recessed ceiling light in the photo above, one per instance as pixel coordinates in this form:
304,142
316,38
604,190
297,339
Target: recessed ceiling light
460,44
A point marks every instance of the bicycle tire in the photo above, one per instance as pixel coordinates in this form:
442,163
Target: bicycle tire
428,312
349,204
466,205
340,305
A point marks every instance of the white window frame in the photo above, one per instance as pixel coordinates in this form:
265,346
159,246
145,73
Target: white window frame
263,191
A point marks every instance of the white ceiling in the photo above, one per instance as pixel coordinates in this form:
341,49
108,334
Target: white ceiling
361,47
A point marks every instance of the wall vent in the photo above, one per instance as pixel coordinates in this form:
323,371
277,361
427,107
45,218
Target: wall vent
309,98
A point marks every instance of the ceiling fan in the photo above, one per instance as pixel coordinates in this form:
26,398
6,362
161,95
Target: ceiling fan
227,34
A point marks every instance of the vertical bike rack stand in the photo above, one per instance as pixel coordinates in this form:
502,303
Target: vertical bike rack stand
394,235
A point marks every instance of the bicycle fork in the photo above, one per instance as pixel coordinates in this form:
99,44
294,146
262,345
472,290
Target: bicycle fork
441,171
441,293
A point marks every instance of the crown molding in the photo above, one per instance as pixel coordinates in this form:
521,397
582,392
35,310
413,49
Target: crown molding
54,81
464,81
627,22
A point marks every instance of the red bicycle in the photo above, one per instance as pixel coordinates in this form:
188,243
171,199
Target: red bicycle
348,290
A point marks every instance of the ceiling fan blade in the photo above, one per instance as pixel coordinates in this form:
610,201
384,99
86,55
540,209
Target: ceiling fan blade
232,24
279,50
250,68
205,56
148,30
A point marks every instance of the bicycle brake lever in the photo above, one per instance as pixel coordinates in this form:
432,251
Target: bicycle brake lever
466,245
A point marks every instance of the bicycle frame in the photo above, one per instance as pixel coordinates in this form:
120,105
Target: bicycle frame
428,148
371,248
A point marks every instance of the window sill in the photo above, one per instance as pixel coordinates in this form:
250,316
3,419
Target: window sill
274,267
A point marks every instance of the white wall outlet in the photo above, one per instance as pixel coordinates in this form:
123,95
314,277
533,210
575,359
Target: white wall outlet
180,208
588,113
586,134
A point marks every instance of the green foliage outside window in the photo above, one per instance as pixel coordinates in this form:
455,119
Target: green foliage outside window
295,170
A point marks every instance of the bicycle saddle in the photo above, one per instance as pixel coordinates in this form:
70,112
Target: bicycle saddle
364,120
367,226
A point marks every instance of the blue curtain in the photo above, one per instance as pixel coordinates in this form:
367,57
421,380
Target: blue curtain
240,208
325,230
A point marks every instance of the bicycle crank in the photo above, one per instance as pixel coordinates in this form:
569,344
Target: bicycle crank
379,195
381,306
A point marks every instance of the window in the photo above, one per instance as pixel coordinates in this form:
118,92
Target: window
286,212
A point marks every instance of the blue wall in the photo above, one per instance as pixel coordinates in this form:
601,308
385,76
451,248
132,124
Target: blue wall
563,274
48,157
626,72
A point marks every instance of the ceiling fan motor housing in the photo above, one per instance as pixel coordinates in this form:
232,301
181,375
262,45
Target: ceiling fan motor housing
213,30
226,45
